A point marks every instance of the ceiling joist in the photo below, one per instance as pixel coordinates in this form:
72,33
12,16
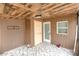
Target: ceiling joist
63,8
16,10
47,6
66,9
54,7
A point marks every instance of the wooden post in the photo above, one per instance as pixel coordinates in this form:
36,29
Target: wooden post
76,36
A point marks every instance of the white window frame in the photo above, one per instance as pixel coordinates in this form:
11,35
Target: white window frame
61,27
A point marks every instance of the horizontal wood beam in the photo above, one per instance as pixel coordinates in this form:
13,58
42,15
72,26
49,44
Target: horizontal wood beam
14,12
19,5
65,13
63,8
47,6
33,7
20,15
56,6
66,9
27,15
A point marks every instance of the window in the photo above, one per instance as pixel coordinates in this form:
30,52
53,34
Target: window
62,27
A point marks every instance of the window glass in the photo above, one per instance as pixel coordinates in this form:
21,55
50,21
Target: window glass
63,24
62,30
62,27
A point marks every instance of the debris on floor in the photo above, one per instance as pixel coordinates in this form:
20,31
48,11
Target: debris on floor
42,49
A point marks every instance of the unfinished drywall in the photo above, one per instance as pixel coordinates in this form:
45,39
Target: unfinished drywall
68,40
12,33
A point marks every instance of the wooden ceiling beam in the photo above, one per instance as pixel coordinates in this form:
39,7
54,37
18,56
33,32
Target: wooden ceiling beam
19,5
63,8
20,10
30,13
47,6
56,6
44,4
31,7
67,9
65,13
19,14
5,16
14,12
23,14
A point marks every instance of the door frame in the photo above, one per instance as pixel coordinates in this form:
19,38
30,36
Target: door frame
48,22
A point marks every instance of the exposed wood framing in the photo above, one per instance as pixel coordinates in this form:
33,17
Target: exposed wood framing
15,10
54,7
47,6
70,8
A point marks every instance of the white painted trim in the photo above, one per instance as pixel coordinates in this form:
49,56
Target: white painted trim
44,31
61,27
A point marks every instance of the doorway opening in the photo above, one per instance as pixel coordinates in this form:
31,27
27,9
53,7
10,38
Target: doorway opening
47,32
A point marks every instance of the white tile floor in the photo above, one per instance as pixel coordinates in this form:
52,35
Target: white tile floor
43,49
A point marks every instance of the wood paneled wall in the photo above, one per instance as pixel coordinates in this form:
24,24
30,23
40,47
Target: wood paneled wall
68,40
11,38
29,32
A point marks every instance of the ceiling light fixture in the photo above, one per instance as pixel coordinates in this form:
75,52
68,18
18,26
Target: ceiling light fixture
39,13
